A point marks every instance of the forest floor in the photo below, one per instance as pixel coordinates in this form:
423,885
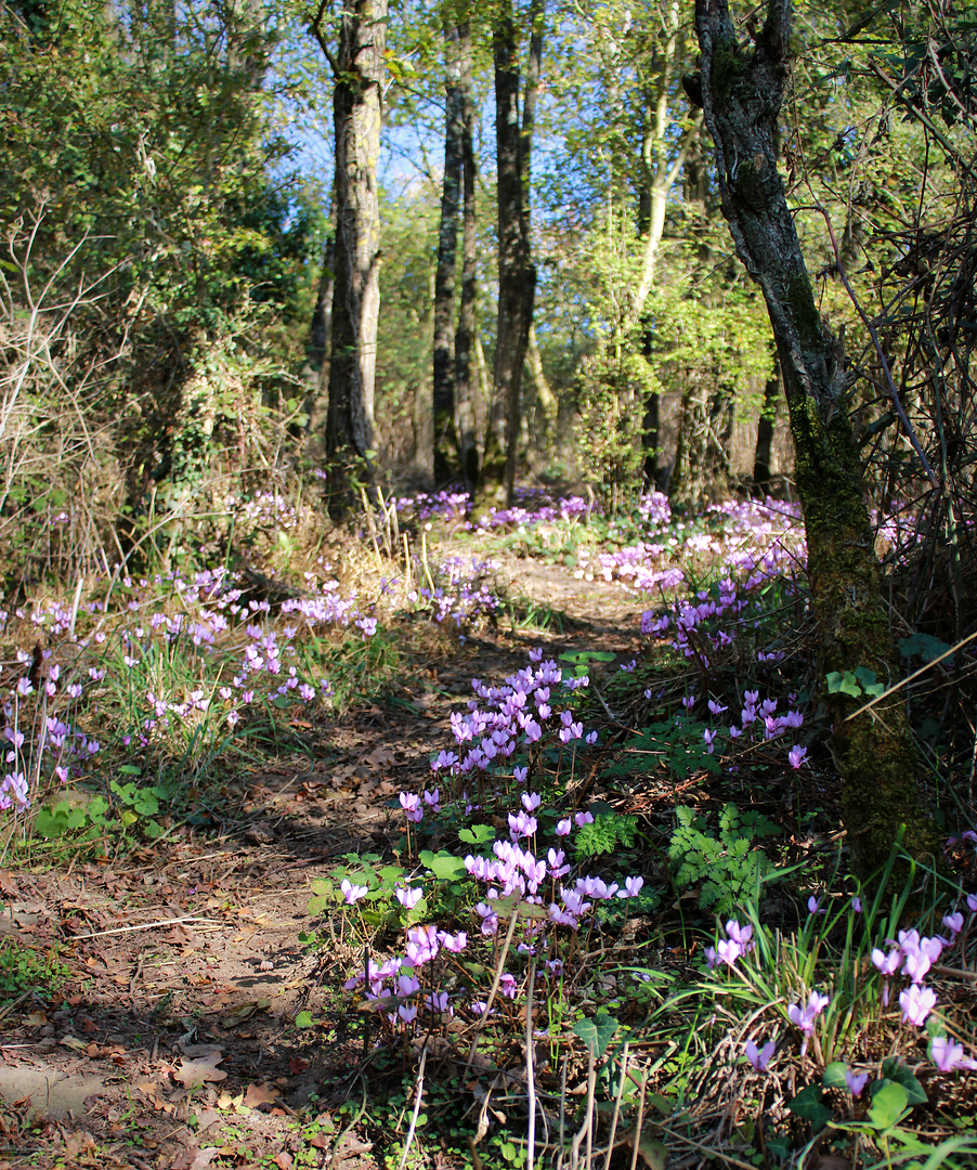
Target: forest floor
174,1044
172,980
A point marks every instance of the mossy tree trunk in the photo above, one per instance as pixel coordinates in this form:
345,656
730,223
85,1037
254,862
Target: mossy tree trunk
742,91
358,68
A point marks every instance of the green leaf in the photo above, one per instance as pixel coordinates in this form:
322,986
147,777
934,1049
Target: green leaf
97,809
477,834
923,646
304,1020
894,1071
810,1105
889,1102
597,1033
145,802
445,866
868,681
130,770
834,1075
843,684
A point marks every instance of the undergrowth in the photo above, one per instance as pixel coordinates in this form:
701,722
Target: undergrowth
615,924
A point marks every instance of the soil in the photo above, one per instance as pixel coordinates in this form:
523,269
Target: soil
173,1041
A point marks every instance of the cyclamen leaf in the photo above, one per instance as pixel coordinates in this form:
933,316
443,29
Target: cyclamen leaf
834,1075
889,1103
809,1105
445,866
477,834
894,1071
597,1033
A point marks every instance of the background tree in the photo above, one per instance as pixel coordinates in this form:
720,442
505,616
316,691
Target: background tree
517,274
358,71
457,45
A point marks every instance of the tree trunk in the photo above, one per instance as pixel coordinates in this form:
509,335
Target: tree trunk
315,372
651,426
742,91
517,274
764,432
465,415
445,437
358,68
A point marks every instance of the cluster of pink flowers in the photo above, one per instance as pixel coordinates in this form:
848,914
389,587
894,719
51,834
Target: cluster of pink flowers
912,956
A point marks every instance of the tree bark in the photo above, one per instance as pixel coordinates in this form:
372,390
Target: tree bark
764,432
465,415
742,91
315,372
358,67
547,407
517,274
445,437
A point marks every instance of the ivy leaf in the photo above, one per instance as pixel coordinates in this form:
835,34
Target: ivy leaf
843,684
923,646
868,682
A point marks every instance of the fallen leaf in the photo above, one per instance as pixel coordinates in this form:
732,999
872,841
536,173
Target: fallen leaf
283,1161
77,1143
260,1095
243,1011
192,1073
206,1118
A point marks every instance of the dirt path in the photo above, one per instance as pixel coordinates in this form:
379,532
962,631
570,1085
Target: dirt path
173,1042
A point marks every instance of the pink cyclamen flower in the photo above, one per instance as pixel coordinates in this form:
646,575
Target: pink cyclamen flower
742,935
953,922
408,897
889,963
917,1002
796,756
410,802
729,951
760,1058
855,1082
352,893
422,944
804,1017
948,1056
